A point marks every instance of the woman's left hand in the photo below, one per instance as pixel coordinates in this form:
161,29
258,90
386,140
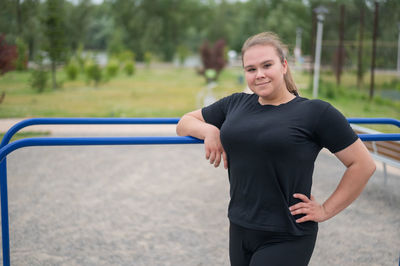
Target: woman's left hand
312,210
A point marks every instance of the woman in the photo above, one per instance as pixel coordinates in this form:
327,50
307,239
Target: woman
269,141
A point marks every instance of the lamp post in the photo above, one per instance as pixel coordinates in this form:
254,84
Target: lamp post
297,49
320,11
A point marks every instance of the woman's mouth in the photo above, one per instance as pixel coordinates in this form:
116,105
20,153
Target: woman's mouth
263,83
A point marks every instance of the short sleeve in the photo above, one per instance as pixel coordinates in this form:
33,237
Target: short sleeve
215,113
333,131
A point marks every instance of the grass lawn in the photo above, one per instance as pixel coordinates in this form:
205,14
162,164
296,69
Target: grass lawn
26,134
167,92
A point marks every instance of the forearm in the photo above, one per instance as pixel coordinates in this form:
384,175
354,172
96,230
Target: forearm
350,187
192,126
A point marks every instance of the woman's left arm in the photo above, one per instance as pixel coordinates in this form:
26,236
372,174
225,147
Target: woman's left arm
360,167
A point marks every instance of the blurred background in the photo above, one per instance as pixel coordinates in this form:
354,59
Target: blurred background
145,58
163,58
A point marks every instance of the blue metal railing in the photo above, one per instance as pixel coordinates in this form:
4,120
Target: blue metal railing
6,147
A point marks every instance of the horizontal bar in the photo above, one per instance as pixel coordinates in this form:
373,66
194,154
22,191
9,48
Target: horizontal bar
380,137
83,121
4,151
113,121
374,121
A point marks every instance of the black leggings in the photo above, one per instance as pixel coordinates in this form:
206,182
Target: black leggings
248,247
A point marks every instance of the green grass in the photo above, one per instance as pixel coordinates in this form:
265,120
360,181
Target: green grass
27,134
171,92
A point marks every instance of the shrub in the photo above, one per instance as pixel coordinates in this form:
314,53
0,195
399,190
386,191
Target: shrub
39,80
93,72
39,76
21,62
72,70
126,56
213,58
129,68
183,53
112,68
8,55
148,56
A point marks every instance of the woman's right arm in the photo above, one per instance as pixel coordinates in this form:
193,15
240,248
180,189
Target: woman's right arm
193,124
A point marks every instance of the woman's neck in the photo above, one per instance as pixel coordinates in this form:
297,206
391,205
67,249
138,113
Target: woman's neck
282,98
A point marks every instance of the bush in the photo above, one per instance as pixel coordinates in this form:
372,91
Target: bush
148,56
93,72
126,56
183,53
112,68
129,68
21,62
72,70
213,57
39,80
8,55
39,76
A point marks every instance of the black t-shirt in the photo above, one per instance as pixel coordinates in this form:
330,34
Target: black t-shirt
271,153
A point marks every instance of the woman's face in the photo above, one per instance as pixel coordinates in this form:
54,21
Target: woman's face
264,71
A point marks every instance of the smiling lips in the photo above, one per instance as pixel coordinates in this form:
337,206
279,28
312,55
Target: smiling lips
263,83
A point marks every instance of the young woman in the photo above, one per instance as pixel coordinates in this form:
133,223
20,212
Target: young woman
269,142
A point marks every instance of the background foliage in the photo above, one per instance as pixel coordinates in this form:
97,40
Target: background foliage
162,27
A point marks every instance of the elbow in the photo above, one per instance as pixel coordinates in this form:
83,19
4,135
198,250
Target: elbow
369,167
179,128
372,168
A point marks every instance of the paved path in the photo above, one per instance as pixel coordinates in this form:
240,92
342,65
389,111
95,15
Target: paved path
165,205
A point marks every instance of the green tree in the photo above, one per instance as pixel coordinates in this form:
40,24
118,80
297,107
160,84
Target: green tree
54,31
78,17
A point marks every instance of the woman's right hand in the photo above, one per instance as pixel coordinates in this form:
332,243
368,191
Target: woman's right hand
213,147
193,124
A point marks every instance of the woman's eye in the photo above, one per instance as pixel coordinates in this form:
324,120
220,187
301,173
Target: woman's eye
251,69
267,65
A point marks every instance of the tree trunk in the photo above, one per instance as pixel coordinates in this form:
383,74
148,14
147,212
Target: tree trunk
360,72
371,87
340,54
53,74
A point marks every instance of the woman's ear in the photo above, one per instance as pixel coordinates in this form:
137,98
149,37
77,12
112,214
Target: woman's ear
285,66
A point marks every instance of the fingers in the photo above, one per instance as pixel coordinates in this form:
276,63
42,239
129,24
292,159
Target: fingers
310,208
304,219
225,158
302,197
215,157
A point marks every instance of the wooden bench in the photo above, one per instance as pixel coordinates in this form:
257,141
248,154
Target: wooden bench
388,152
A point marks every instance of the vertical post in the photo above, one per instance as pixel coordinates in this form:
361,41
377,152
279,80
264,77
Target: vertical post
312,52
317,62
297,49
375,34
4,213
398,52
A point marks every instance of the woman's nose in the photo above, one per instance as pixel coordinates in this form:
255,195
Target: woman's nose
260,73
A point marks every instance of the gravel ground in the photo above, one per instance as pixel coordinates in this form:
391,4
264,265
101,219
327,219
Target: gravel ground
165,205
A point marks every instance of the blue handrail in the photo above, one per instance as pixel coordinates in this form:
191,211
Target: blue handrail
94,141
6,147
83,121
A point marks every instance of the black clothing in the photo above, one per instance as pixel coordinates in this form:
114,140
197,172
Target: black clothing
271,153
248,247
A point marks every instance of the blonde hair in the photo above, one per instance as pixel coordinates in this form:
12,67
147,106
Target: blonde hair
270,38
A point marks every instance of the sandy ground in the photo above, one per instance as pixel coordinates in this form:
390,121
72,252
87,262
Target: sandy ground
165,205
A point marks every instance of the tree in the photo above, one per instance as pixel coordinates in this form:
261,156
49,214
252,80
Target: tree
54,31
213,58
8,55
